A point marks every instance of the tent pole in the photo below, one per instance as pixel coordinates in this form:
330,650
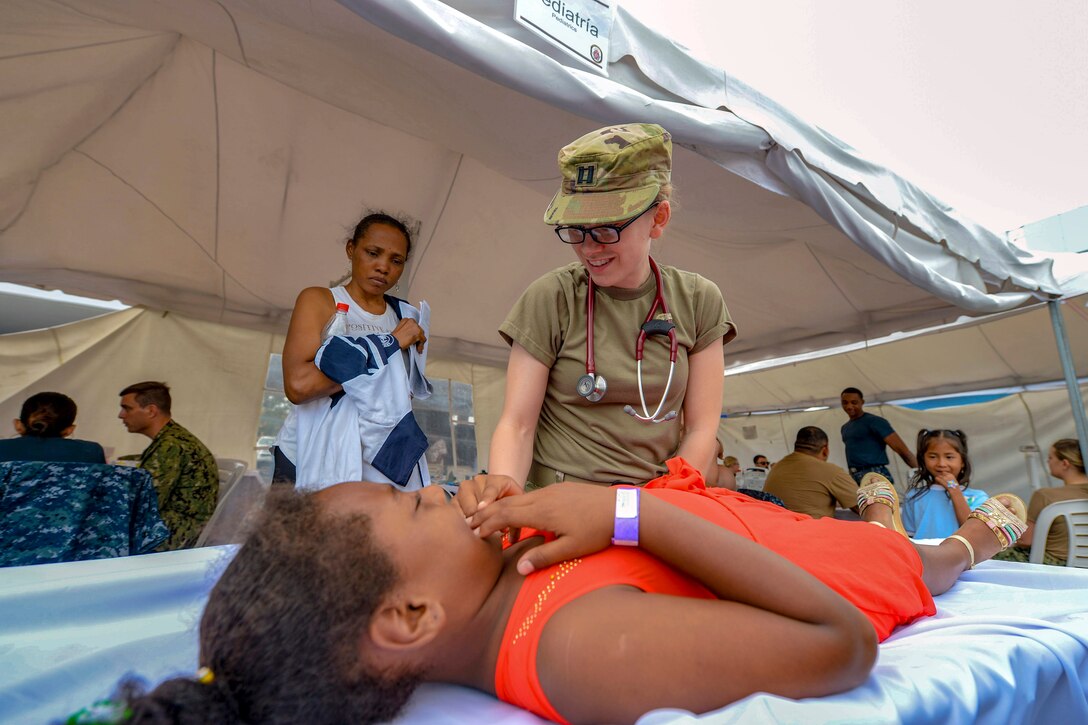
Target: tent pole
1075,400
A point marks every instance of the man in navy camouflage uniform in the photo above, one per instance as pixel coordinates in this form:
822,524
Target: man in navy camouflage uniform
185,472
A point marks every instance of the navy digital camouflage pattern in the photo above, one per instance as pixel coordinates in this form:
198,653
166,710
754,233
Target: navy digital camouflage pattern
53,512
187,480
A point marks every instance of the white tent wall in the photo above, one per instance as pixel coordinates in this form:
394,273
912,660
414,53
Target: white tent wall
996,430
1003,351
217,375
215,372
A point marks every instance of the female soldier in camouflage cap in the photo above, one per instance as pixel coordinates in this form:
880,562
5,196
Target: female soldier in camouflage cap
560,420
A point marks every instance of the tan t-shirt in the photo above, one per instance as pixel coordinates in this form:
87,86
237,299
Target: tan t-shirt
810,486
1057,541
598,441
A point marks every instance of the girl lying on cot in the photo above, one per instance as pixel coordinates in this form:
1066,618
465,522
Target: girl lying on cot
343,600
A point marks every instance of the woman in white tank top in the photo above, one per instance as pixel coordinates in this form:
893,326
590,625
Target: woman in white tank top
377,250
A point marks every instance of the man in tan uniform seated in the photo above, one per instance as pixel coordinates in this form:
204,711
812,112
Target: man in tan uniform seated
806,482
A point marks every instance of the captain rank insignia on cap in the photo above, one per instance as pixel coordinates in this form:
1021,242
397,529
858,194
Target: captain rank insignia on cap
586,175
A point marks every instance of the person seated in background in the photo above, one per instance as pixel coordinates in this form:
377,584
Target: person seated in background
336,607
730,477
44,425
186,475
727,470
806,482
938,498
755,475
1066,463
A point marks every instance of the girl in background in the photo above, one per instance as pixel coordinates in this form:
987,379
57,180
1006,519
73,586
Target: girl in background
939,498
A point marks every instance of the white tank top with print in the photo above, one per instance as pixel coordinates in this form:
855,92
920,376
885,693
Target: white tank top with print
361,322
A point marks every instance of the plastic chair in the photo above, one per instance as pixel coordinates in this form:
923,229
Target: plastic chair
228,524
231,471
1075,513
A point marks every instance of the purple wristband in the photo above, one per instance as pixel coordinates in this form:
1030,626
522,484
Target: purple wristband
625,530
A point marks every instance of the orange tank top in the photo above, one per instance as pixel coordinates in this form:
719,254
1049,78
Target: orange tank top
885,583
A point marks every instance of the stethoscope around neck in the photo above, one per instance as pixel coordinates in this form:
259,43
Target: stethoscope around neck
592,386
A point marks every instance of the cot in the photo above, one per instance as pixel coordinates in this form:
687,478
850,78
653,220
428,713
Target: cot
1009,644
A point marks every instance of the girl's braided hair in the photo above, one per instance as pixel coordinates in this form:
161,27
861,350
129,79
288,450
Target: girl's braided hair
283,627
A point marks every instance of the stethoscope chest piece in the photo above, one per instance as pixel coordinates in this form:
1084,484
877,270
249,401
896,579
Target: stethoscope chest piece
591,387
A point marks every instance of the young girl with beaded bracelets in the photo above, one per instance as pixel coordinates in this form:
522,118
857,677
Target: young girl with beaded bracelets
939,498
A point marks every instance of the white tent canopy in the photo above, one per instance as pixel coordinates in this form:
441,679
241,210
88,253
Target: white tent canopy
207,158
1002,351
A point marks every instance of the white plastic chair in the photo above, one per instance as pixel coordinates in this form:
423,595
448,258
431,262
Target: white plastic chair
228,524
1075,513
231,471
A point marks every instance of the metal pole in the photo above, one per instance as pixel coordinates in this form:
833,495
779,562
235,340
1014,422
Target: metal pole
1031,455
1076,402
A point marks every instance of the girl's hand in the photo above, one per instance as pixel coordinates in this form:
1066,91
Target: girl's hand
482,490
954,491
580,515
408,332
953,486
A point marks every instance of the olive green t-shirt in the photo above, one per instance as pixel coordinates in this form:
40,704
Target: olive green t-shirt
599,442
1057,541
810,486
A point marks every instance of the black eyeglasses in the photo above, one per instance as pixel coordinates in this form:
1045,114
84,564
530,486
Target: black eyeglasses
606,234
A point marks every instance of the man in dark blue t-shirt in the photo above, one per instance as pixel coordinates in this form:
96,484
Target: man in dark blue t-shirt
866,437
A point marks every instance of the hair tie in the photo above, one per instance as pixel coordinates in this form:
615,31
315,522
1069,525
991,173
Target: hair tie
205,676
103,712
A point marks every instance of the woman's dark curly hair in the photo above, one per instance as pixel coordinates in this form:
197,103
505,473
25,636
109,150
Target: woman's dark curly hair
283,627
47,415
922,478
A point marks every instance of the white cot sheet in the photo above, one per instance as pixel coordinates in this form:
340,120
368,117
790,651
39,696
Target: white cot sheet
1009,644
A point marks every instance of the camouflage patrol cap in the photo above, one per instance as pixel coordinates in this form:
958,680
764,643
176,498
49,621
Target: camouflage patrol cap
611,174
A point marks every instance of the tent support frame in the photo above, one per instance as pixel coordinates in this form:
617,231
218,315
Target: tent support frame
1076,402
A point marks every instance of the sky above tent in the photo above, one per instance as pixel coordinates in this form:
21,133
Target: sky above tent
982,103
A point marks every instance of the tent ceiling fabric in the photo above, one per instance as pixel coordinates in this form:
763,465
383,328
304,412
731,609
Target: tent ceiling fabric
209,158
1011,350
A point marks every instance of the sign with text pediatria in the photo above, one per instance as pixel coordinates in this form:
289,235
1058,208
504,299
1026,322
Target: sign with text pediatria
579,27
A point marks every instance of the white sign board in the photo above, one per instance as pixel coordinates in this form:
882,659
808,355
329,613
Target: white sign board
581,28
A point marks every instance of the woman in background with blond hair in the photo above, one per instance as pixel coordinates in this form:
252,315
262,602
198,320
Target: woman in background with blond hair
727,468
1066,463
